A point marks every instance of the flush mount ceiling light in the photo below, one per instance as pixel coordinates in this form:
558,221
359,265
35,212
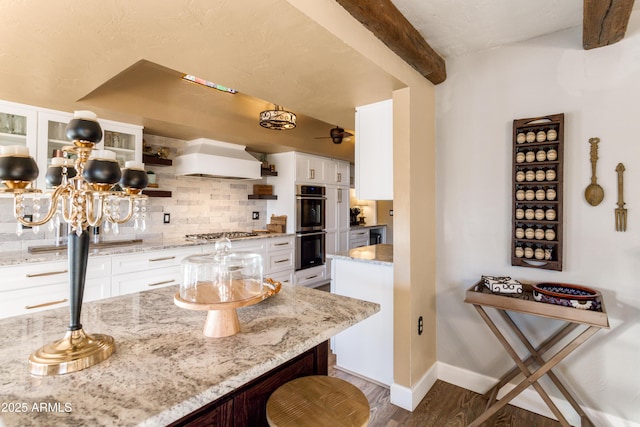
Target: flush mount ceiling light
277,119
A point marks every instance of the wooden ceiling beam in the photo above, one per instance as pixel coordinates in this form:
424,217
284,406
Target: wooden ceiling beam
386,22
604,22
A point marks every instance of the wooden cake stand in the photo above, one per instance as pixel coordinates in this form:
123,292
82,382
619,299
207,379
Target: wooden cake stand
222,318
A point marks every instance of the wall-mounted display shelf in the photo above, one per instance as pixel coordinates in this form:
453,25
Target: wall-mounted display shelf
263,197
538,153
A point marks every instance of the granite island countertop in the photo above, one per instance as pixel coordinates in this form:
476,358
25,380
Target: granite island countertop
164,367
378,254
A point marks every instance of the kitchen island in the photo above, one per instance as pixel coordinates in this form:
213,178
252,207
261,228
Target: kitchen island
164,369
367,348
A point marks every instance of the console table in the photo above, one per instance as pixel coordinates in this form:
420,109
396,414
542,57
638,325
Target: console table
585,323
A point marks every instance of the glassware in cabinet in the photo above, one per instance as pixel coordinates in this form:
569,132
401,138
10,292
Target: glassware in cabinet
18,126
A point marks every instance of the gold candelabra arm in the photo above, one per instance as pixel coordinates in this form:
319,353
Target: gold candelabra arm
93,219
127,217
55,196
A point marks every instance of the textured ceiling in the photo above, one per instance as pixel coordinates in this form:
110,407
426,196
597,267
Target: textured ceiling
458,27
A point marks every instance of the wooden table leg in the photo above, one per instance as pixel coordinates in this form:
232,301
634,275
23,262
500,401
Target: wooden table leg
541,349
538,357
530,378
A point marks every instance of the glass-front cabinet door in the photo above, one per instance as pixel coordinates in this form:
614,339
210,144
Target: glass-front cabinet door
125,140
51,139
18,126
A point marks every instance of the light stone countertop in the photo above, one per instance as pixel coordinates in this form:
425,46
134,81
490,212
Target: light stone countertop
376,254
24,257
164,367
368,226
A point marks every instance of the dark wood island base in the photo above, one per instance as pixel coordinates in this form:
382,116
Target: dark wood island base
246,406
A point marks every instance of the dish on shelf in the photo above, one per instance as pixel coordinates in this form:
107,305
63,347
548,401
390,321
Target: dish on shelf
567,295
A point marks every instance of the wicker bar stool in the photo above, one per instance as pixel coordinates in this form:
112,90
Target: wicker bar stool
315,401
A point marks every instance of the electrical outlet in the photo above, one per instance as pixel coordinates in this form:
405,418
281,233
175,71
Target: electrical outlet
167,218
255,215
420,325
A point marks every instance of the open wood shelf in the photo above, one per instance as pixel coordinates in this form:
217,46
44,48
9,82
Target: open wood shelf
156,193
157,161
267,172
263,197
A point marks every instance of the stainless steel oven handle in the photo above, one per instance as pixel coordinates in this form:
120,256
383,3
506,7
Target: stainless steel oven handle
310,234
298,197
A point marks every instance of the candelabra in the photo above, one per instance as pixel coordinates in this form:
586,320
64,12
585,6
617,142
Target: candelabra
84,194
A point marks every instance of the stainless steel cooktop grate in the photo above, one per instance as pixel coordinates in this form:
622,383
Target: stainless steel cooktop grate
220,235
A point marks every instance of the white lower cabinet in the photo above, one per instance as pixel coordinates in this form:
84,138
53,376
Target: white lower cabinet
278,255
284,277
311,277
280,260
28,288
34,287
358,237
149,270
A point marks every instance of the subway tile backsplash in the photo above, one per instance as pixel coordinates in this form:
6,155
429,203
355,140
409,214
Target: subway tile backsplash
197,205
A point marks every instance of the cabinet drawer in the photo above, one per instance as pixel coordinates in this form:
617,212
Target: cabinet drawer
280,243
284,277
359,234
151,260
256,245
279,261
45,297
310,276
145,280
249,245
47,273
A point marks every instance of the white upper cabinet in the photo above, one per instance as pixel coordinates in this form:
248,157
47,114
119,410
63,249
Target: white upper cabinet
18,126
340,172
124,139
321,170
374,151
310,168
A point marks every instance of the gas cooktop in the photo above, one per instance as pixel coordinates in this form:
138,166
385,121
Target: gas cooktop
220,235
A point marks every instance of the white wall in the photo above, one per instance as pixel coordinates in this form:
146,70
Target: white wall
599,92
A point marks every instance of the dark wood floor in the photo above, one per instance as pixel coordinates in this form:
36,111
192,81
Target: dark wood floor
444,405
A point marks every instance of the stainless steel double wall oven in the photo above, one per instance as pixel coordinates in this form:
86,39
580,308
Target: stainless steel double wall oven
310,226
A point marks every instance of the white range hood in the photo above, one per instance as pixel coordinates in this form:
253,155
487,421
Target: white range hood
217,159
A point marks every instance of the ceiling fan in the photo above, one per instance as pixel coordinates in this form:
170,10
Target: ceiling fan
337,134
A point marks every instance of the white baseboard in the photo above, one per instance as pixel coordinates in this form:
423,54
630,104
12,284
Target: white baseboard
529,399
409,398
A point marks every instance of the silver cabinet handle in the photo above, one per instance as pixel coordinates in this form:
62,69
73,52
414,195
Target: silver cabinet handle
311,277
162,259
339,195
339,177
281,244
312,174
160,283
45,304
281,260
49,273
